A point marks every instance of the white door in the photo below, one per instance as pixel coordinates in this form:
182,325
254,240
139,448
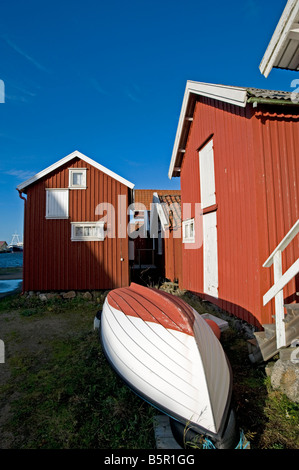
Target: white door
208,199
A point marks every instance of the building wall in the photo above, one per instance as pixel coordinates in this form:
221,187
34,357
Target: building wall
277,178
244,239
173,257
51,260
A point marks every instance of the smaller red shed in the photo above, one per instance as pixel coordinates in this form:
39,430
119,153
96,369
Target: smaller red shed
75,227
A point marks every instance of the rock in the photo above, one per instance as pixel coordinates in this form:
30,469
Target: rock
69,295
42,297
52,296
269,368
96,294
285,378
87,296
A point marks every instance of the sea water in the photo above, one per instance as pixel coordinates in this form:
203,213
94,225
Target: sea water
10,260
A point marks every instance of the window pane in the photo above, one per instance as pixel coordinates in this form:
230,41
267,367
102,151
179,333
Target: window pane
98,231
78,231
77,179
191,230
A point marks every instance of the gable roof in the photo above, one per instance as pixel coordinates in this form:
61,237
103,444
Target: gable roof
145,196
21,187
283,49
173,201
238,96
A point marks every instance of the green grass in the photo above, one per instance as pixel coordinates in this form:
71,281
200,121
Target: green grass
76,401
68,397
64,395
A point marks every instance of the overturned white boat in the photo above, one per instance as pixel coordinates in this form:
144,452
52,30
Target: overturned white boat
170,356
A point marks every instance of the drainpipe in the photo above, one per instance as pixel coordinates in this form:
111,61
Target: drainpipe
25,200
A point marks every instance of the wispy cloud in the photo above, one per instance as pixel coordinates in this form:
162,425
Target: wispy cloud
20,174
132,162
23,54
97,86
23,96
133,93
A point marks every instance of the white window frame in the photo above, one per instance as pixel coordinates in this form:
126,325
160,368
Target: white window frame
76,238
73,171
186,225
51,215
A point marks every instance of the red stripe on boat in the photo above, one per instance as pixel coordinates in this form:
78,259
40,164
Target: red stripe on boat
154,306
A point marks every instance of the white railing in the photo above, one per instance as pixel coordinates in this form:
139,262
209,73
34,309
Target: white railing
280,280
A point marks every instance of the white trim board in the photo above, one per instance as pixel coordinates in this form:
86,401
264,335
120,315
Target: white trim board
68,158
286,29
228,94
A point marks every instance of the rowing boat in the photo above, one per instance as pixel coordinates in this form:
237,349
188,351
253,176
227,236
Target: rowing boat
171,357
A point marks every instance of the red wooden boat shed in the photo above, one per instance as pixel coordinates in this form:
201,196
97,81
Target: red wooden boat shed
64,246
236,153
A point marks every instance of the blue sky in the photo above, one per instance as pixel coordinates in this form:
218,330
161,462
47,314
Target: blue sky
107,79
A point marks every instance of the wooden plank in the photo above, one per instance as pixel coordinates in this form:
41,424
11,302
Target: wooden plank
279,309
283,244
285,278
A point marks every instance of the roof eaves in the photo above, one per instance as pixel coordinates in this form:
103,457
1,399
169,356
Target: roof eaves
66,159
279,40
229,94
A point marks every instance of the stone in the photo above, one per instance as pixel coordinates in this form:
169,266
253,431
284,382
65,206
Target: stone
51,295
69,295
96,294
87,296
42,297
285,378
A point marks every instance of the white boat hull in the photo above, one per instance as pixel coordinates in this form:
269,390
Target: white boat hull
168,355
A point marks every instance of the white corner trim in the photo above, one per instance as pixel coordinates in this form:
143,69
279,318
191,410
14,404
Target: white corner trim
160,212
228,94
279,37
66,159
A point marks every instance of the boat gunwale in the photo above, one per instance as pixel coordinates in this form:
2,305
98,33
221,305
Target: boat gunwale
216,437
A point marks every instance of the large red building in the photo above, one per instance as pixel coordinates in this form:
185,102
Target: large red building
236,153
75,227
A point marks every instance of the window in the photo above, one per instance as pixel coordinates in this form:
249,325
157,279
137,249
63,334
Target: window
188,231
57,203
77,178
87,231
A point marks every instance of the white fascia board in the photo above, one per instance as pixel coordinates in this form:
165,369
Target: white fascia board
66,159
228,94
162,217
280,36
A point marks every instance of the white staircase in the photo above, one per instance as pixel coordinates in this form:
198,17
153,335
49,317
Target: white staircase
267,343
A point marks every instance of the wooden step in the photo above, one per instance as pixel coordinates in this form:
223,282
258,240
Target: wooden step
270,330
292,311
263,347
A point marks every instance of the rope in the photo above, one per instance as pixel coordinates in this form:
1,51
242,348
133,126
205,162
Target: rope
207,444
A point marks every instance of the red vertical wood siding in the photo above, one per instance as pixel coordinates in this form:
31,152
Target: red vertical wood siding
173,256
256,179
51,260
